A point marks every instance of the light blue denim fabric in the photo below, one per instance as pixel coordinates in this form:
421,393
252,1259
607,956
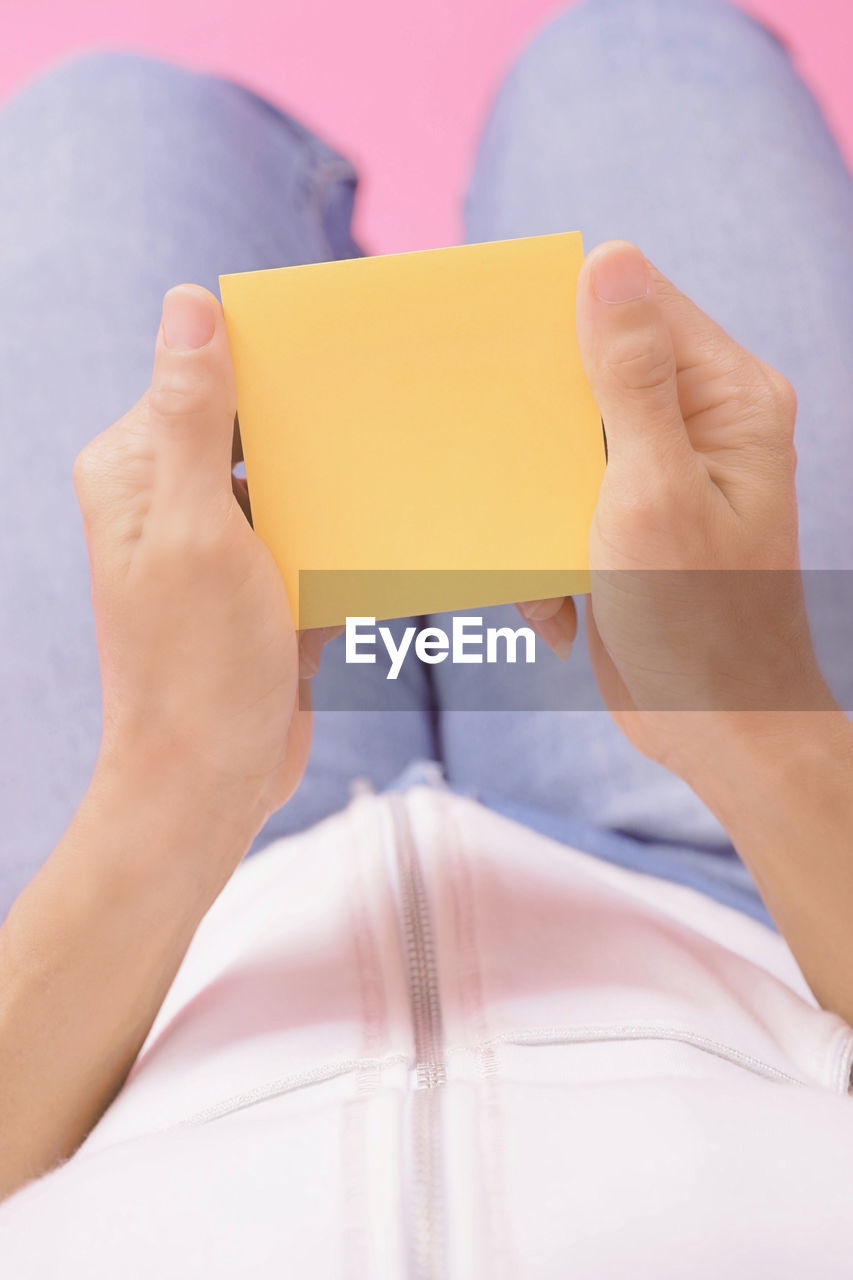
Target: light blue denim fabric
121,177
677,123
681,125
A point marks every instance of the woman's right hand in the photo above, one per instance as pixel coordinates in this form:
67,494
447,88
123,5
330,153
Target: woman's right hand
202,740
198,653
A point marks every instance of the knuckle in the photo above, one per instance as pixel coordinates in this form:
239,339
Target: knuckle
775,394
774,423
166,555
645,507
655,502
641,367
763,403
81,471
182,538
784,398
89,466
180,394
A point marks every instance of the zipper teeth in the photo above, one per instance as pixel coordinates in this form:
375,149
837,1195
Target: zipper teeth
420,956
428,1245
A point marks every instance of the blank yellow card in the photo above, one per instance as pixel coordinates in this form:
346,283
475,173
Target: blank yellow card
418,431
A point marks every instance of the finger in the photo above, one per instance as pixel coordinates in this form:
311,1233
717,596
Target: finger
628,355
191,402
241,492
311,645
555,621
698,341
716,373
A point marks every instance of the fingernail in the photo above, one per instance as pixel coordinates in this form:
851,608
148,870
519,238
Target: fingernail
189,320
620,275
557,632
533,610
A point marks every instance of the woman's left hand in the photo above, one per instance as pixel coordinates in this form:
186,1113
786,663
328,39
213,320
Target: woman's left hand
696,601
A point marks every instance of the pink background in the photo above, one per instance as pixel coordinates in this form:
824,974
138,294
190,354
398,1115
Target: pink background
401,87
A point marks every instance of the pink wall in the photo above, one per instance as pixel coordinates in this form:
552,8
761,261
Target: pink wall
401,87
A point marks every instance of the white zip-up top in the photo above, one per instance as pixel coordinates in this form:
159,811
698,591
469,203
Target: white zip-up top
423,1042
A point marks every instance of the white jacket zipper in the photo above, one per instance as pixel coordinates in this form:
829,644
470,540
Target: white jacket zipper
427,1243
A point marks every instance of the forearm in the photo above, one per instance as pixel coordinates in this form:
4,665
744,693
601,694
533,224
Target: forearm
782,786
91,946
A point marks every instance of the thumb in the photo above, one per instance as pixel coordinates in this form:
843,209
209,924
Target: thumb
628,354
190,405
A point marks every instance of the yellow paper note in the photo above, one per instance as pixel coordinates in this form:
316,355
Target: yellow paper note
418,431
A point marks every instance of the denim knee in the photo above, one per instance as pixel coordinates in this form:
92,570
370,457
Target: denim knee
610,31
111,87
631,48
626,80
162,139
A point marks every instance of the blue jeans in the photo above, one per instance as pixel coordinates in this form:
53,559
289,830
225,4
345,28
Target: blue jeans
679,124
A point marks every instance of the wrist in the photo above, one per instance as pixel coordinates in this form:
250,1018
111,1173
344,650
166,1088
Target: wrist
92,945
750,765
168,820
181,781
755,726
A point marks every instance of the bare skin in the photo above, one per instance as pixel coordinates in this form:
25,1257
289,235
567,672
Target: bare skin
203,738
713,675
